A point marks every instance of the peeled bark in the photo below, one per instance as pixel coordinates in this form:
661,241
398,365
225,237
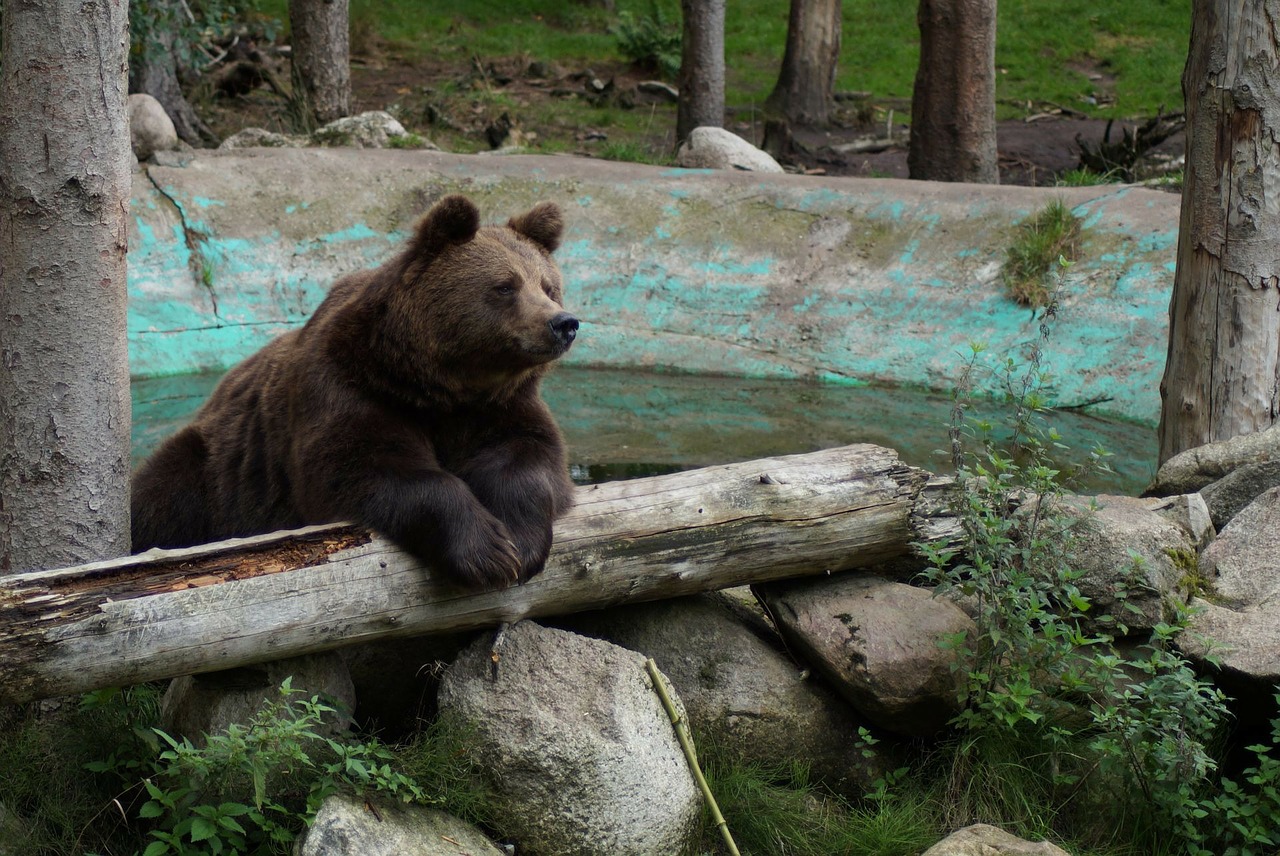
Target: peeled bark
1222,375
64,370
805,91
321,59
953,106
701,80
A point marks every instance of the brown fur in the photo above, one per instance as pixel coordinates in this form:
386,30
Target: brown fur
408,402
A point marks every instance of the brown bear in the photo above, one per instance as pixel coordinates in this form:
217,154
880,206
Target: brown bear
409,403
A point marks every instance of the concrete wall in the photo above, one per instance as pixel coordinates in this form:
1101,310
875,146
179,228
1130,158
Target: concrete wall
846,280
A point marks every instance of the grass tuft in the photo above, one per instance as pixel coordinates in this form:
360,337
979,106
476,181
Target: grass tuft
1052,232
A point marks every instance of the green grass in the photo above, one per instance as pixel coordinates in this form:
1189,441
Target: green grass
1045,50
1040,240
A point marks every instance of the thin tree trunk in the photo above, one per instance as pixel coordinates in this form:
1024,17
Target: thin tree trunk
953,106
155,73
805,91
1222,375
701,79
250,600
64,370
321,59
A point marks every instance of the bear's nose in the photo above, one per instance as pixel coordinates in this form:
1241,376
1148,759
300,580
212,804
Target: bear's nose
565,328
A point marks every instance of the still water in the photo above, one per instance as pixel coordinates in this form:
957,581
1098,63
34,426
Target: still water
624,424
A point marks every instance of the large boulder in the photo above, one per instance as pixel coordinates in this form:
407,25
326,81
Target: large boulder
150,128
878,642
372,130
1192,469
1228,495
742,693
348,825
1238,619
576,744
984,840
1125,546
196,705
716,148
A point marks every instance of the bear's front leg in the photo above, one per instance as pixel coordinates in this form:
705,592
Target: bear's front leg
525,484
433,516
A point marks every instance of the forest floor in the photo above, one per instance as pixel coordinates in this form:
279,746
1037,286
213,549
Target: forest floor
606,112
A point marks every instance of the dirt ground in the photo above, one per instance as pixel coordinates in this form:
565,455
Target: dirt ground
468,108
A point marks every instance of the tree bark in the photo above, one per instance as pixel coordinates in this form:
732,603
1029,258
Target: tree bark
208,608
701,79
805,91
64,370
155,72
321,59
953,106
1222,375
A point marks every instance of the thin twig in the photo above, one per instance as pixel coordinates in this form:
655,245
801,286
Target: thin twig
686,743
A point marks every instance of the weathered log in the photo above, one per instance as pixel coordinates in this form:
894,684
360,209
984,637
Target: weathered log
237,602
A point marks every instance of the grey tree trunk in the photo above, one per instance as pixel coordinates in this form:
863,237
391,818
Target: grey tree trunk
64,365
805,91
321,60
953,106
701,79
155,72
1222,375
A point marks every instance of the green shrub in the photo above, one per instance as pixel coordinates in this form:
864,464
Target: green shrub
1051,233
651,41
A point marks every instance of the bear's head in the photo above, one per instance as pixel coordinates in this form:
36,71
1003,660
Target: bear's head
481,306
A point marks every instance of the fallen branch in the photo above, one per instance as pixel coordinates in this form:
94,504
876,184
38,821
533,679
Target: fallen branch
176,612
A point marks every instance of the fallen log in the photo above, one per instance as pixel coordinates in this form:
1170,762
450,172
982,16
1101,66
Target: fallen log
243,601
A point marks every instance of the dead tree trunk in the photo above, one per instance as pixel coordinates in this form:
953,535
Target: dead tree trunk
1222,375
321,60
64,365
241,602
701,79
953,106
805,91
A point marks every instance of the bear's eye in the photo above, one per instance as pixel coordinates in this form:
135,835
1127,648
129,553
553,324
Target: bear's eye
505,288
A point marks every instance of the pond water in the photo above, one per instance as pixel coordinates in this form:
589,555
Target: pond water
625,424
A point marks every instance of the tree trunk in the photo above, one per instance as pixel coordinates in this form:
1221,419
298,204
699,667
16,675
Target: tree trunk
805,91
155,72
1222,375
252,600
64,366
321,60
701,80
953,106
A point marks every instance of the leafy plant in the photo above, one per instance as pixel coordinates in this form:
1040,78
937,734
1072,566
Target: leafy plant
1055,715
1050,234
651,41
253,787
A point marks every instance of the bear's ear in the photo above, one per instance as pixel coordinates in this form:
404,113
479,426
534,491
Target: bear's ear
541,224
453,220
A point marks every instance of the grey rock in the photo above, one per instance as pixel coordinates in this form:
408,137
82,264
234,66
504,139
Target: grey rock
740,691
150,128
877,641
1242,565
260,138
1125,546
196,705
347,825
1190,511
371,130
1231,493
1189,471
576,744
716,148
984,840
